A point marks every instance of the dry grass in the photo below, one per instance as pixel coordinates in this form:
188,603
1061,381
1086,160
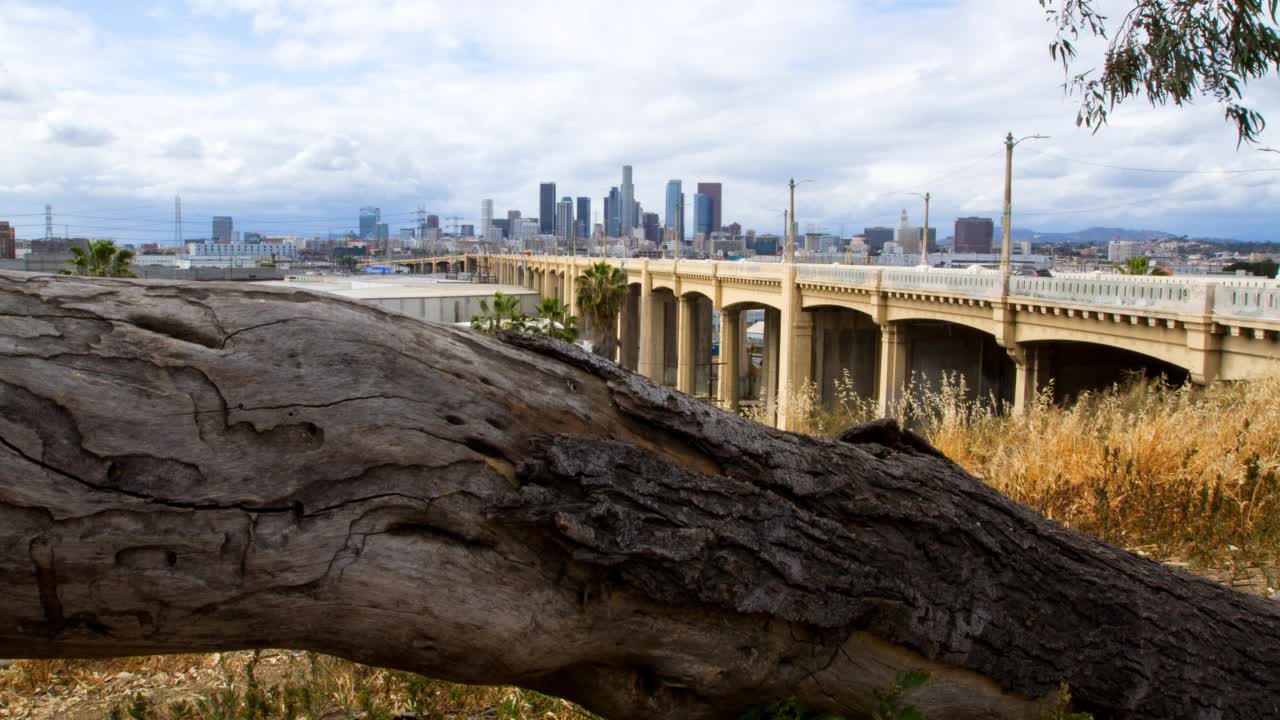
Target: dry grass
268,685
1180,473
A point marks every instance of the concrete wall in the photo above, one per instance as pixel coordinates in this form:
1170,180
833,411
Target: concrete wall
447,310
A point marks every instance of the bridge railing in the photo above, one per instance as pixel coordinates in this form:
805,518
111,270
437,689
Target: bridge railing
1247,301
1250,298
972,283
1151,293
854,275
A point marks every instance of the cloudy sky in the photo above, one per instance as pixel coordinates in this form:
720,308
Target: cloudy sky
290,114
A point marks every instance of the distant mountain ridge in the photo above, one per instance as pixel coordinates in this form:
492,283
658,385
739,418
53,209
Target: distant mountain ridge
1090,235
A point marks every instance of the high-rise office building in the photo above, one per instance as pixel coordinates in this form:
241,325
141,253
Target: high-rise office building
564,221
8,241
547,208
702,213
486,217
433,222
628,209
652,230
512,217
613,213
584,217
671,218
222,229
468,231
974,235
369,219
713,191
876,237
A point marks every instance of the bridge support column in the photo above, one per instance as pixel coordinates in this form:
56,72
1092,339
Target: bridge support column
730,346
1206,347
629,330
893,367
802,354
651,328
567,288
772,329
788,373
1029,368
686,343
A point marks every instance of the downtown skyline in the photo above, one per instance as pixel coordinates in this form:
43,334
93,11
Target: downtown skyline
262,114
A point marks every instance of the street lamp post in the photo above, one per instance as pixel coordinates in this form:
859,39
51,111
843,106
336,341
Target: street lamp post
924,236
1006,241
791,223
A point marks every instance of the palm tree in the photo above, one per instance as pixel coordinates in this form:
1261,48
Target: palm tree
602,288
557,323
102,259
504,314
1140,265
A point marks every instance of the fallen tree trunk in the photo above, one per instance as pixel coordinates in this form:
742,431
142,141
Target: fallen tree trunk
215,467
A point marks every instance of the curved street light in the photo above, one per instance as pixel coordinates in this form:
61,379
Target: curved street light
1007,220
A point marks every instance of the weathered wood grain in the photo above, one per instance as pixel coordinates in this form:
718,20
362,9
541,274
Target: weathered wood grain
214,467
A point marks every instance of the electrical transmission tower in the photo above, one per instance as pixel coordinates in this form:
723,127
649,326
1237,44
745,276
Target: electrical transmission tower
177,219
48,222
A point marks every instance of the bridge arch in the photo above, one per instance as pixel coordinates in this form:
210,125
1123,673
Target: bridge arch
973,317
845,353
441,266
936,351
1073,367
699,324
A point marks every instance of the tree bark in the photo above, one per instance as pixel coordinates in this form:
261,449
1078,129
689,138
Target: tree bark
215,467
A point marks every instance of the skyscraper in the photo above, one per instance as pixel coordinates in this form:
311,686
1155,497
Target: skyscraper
547,208
974,235
713,191
612,213
652,230
369,219
906,236
564,221
584,217
672,218
486,217
512,217
702,214
433,222
222,229
628,209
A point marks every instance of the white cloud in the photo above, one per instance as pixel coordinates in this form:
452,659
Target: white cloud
401,102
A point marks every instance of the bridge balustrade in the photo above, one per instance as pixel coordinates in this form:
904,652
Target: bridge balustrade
856,275
973,283
1247,302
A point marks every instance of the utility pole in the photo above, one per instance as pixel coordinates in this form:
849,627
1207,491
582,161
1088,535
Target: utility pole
791,225
1006,226
1006,246
924,241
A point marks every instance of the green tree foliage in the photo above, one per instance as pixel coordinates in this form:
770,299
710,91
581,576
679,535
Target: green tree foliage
1265,268
556,322
1169,51
1140,265
602,288
102,259
503,314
